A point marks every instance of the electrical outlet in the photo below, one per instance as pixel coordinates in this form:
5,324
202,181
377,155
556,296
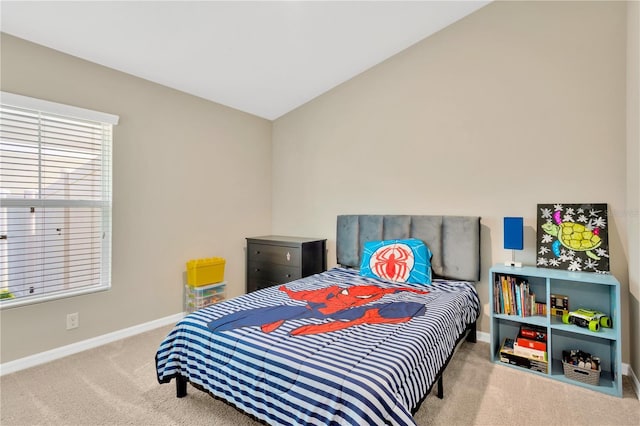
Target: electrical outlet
73,321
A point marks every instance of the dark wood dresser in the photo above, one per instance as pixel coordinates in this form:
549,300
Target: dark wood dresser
277,259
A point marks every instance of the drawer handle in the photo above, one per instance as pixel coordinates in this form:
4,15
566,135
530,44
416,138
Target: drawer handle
257,269
288,275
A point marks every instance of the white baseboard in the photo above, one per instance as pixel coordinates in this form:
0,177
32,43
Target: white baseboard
634,379
61,352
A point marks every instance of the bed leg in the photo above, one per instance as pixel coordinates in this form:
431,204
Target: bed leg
181,387
471,336
440,388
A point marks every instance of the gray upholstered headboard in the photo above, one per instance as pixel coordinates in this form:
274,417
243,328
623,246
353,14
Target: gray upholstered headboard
454,241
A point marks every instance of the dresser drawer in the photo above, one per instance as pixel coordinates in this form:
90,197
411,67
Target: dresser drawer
276,259
280,255
254,284
278,274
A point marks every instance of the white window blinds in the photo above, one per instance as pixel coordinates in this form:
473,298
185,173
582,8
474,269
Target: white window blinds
55,200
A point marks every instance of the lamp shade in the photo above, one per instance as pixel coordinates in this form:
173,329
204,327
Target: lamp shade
513,233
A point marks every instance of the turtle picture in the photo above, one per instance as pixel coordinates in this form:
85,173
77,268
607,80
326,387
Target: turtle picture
573,237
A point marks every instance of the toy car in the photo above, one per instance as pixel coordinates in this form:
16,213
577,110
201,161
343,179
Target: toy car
587,318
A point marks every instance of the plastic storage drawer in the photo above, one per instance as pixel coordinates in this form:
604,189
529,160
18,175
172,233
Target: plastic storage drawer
200,297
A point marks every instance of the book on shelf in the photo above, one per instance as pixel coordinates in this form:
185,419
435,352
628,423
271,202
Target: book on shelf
523,342
533,332
508,355
521,348
531,342
513,296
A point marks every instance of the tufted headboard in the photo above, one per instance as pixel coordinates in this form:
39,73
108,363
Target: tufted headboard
454,241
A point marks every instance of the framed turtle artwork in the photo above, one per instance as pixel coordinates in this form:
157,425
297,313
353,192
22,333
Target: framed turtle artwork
574,237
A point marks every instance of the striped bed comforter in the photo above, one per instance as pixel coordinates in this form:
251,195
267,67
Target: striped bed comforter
289,359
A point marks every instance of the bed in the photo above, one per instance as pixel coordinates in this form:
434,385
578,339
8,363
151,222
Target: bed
291,355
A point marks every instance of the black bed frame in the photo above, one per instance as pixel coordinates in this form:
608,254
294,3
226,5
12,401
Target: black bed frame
468,336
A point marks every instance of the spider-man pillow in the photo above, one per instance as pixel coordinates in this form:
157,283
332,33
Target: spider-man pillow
405,261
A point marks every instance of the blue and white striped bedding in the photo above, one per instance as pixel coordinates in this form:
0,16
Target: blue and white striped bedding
365,374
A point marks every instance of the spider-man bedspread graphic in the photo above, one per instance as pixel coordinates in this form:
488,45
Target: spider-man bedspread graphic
343,307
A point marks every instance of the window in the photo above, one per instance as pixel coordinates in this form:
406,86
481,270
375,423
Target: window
55,200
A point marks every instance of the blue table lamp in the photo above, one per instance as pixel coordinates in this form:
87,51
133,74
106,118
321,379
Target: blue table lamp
513,238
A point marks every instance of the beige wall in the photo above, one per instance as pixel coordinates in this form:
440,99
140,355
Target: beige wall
633,176
191,179
519,103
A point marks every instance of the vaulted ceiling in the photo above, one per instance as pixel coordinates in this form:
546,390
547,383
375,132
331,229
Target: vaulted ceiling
265,58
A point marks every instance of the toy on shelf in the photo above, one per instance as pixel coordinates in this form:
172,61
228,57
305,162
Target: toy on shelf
581,359
588,319
581,366
559,305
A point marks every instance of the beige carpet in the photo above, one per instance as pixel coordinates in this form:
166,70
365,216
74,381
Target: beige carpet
116,385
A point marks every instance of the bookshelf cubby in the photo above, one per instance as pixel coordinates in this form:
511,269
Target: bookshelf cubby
600,292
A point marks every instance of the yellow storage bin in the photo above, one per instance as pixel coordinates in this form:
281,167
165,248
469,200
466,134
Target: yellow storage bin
205,271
